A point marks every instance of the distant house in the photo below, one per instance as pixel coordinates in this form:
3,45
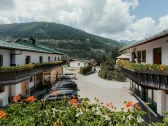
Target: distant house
79,63
125,57
45,65
151,87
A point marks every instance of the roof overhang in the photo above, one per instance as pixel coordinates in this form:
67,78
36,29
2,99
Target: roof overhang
147,40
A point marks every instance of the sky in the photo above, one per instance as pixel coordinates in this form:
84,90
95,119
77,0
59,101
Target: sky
115,19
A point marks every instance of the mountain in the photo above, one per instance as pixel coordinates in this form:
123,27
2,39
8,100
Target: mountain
76,43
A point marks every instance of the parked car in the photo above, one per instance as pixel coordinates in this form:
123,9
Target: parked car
71,75
63,78
60,94
65,85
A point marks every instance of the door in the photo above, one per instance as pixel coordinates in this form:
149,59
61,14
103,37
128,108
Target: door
157,56
144,94
24,87
27,59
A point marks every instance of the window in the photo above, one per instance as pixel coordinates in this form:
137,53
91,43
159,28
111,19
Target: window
2,89
144,56
41,59
27,60
133,56
139,56
55,58
157,56
58,58
49,59
1,60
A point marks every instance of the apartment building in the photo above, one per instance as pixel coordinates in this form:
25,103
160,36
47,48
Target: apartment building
25,66
150,86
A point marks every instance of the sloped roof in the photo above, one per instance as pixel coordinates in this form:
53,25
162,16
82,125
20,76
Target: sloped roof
123,56
147,40
26,45
11,45
49,49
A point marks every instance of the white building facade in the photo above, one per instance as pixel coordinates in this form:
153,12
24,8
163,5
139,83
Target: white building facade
153,50
24,82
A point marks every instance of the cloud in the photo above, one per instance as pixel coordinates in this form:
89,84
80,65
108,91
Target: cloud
163,23
144,27
113,18
4,20
6,4
109,18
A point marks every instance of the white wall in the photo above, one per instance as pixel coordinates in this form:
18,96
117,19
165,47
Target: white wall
161,105
31,84
160,97
166,102
6,56
16,89
75,64
20,59
4,96
149,50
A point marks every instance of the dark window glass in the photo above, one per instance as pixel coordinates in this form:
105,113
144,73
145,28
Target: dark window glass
139,56
27,60
1,60
2,89
143,55
49,59
41,59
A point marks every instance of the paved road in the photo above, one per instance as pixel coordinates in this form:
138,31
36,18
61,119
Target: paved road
92,86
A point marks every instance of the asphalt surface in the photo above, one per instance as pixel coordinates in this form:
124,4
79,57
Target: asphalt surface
91,86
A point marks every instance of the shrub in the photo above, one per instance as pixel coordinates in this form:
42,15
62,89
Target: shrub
110,75
84,70
71,113
102,74
118,75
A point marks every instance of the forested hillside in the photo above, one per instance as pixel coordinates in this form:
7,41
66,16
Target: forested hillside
74,42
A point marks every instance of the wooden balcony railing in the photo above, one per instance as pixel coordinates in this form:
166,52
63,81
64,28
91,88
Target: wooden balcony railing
11,76
147,78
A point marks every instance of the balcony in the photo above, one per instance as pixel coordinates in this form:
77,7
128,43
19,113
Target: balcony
148,78
16,74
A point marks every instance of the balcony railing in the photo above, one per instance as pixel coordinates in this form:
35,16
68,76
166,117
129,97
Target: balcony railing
147,78
11,75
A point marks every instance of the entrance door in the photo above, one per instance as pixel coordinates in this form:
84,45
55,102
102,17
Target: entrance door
157,56
144,94
24,87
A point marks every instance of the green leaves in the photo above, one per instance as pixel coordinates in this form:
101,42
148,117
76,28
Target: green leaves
60,113
28,66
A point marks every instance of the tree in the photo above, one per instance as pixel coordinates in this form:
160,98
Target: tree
115,53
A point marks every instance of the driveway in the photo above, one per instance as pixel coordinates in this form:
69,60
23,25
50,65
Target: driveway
92,86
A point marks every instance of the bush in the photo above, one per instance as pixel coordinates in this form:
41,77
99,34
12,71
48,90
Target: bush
84,70
110,75
118,75
71,113
102,74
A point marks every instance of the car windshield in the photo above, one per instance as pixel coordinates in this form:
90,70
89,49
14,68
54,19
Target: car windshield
68,73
